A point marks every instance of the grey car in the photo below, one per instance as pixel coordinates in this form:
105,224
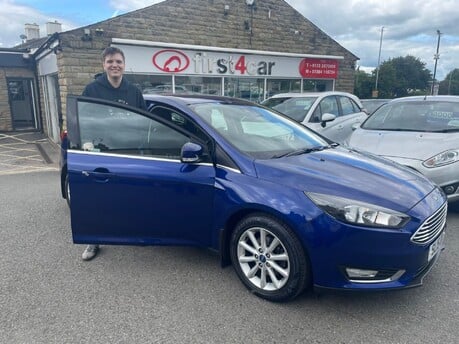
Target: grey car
420,132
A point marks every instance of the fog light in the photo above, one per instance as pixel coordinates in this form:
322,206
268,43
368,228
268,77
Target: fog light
450,189
372,276
361,273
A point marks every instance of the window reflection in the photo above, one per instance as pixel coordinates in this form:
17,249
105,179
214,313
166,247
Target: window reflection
115,130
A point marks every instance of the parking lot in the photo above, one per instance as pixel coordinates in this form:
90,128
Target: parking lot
26,152
181,295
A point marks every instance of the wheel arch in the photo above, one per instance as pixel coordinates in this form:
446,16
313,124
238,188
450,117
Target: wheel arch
234,219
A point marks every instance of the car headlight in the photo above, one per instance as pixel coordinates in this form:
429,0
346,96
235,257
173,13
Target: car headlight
441,159
358,213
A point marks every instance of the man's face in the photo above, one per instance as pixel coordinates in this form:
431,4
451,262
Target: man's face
114,65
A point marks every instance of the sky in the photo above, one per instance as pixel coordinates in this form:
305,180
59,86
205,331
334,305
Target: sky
407,27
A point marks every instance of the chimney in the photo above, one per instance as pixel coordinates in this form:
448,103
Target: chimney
52,27
32,31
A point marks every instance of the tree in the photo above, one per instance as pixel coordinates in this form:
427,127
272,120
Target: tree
363,84
402,76
451,83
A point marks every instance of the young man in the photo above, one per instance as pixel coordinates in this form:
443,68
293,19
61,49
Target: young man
112,86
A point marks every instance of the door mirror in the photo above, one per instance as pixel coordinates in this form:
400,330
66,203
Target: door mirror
327,117
191,153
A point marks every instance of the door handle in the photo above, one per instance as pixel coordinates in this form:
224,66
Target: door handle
100,174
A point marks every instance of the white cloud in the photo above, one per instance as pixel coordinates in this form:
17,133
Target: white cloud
410,28
13,18
130,5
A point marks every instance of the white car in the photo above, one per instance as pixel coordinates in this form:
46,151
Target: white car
332,113
420,132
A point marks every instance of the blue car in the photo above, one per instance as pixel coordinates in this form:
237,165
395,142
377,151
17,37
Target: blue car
288,208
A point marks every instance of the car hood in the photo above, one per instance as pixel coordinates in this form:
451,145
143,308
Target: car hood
349,173
402,144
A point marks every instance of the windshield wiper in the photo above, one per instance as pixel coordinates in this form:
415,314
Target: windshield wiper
304,151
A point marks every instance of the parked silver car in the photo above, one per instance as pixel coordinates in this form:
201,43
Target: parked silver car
420,132
331,114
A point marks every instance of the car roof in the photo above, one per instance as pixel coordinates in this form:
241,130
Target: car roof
310,94
317,94
429,98
187,99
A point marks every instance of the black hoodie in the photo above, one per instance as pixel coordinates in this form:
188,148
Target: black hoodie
125,94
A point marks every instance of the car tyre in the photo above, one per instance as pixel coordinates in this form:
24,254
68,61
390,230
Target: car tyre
269,259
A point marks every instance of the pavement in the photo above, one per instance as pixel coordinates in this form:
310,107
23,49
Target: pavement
23,152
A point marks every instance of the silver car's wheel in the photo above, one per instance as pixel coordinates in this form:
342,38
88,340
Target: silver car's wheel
269,258
263,259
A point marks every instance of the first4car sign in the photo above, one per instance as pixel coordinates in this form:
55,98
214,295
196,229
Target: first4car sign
187,61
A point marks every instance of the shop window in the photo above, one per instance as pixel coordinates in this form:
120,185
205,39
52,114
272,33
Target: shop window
245,88
200,85
276,86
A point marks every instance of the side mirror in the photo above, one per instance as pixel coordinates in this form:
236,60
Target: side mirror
327,117
191,153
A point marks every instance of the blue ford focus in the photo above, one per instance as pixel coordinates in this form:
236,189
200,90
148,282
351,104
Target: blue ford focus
286,207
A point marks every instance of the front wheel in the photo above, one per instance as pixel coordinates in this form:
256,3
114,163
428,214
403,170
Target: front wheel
269,259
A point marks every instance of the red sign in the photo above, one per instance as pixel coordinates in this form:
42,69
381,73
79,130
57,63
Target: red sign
170,60
318,68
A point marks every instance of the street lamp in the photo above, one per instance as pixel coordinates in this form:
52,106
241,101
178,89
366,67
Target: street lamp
436,57
379,60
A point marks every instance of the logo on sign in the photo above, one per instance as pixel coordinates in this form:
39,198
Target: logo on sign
170,60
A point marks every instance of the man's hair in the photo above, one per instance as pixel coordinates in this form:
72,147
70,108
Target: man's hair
112,51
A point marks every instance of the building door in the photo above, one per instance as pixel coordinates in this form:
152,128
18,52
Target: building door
21,99
52,106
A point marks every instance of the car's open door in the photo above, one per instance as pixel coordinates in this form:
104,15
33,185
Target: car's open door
127,182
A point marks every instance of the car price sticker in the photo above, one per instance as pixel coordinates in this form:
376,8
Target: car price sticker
436,246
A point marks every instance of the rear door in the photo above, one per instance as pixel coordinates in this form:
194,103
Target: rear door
127,183
350,114
347,113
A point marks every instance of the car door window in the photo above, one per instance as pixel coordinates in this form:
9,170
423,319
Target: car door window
348,106
326,105
180,120
115,130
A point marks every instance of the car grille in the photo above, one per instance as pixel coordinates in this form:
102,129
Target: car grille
431,227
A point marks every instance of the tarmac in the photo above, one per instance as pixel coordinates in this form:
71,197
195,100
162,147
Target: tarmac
24,152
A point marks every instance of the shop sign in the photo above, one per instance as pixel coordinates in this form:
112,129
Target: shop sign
176,61
318,68
173,60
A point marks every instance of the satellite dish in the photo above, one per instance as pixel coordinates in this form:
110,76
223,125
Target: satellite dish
249,2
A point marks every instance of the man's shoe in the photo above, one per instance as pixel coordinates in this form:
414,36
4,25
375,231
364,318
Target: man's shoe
90,252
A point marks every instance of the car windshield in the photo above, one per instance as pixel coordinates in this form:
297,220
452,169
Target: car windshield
296,108
372,104
272,102
258,132
425,116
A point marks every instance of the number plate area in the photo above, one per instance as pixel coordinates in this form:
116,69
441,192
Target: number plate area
436,246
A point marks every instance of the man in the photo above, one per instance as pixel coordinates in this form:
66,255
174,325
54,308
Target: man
112,86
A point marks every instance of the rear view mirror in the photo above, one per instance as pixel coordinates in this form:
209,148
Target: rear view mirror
327,117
